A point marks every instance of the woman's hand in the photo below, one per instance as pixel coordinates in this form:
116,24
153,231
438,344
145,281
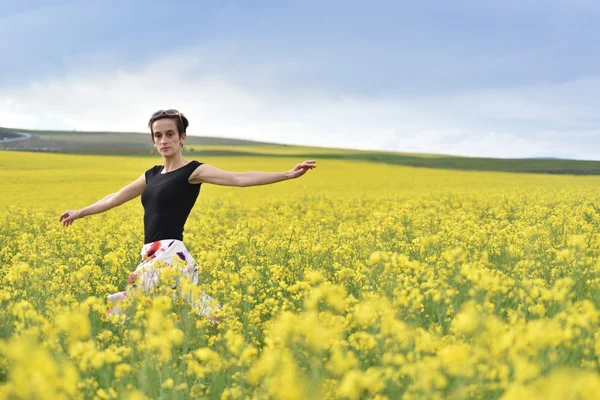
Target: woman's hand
69,216
301,169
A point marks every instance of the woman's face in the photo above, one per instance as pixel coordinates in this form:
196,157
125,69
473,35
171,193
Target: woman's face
166,138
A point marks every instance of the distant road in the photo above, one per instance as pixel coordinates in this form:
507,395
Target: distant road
6,137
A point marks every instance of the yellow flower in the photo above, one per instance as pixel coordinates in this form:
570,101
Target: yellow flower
121,370
341,361
466,322
168,384
136,395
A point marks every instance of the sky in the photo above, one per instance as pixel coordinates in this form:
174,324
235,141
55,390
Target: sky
475,78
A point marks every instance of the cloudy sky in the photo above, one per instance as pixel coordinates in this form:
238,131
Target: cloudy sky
480,78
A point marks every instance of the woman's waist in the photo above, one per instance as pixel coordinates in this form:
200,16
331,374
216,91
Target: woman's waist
163,246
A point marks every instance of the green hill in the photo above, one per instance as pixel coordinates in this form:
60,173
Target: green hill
139,144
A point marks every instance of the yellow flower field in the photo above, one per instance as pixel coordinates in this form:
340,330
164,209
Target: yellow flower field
356,281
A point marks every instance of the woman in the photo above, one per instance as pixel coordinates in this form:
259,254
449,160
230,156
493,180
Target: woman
168,193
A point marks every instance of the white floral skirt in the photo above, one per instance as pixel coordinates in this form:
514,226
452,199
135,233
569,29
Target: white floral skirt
169,253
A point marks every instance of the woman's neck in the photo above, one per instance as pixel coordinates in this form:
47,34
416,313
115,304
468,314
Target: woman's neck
174,162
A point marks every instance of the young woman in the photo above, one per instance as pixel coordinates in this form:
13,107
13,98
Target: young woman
169,192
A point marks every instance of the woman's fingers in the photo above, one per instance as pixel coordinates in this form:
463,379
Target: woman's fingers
301,168
67,218
308,164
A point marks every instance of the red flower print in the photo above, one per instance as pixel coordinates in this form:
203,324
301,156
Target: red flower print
132,278
153,249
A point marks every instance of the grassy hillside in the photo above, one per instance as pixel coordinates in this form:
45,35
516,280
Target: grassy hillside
139,144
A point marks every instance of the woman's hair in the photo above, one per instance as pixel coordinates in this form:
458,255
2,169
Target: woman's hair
181,123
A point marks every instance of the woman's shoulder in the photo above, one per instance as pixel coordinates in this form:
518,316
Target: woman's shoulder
153,171
155,168
194,163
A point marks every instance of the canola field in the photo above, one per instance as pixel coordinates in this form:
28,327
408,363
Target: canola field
355,281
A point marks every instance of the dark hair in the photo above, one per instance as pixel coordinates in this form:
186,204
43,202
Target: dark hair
181,124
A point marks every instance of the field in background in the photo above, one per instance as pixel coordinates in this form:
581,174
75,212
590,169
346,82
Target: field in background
359,280
138,144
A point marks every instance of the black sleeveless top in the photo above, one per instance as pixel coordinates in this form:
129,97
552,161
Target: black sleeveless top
167,200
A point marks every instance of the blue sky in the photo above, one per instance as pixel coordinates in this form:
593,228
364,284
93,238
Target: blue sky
499,79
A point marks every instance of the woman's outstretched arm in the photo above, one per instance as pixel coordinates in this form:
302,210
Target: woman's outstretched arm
129,192
209,174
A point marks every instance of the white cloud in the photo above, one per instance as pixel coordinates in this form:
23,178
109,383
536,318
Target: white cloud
457,142
221,105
